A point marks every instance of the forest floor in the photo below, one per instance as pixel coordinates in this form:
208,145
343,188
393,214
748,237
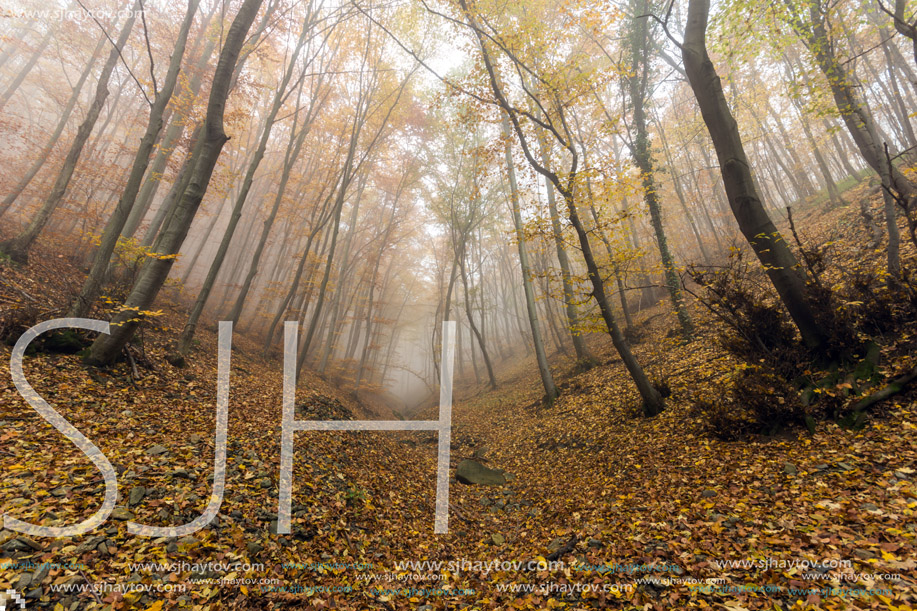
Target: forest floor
635,513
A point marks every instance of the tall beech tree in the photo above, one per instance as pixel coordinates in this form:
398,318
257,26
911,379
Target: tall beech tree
18,247
759,230
809,19
106,348
280,96
561,133
112,231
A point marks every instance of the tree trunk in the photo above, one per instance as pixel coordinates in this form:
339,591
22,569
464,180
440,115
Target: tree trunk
860,123
187,334
547,380
18,247
756,226
61,124
93,284
579,346
107,347
166,147
474,327
289,162
643,159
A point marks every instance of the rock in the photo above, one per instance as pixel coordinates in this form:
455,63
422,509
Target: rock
127,413
194,438
594,543
183,473
188,541
846,466
156,450
869,507
253,548
790,469
136,495
480,453
708,493
30,543
121,513
471,472
88,546
60,491
273,527
555,544
266,482
498,539
821,467
171,547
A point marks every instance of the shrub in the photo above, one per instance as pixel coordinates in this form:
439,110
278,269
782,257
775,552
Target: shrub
753,401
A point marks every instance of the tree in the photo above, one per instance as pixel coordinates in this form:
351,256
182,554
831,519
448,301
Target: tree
771,249
106,348
544,369
280,96
18,247
109,239
809,20
652,400
640,44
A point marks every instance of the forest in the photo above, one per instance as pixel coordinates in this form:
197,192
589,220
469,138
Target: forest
458,304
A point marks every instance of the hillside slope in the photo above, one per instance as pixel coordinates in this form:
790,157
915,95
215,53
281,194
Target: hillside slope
634,512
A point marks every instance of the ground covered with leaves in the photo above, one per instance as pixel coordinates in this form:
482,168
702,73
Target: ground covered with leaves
603,508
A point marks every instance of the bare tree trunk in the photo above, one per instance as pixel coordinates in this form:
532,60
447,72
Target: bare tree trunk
18,247
93,284
547,380
107,347
756,226
24,72
61,125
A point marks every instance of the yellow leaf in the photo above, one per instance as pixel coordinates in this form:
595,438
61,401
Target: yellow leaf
156,606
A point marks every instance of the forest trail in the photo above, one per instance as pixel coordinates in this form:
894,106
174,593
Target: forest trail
632,512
